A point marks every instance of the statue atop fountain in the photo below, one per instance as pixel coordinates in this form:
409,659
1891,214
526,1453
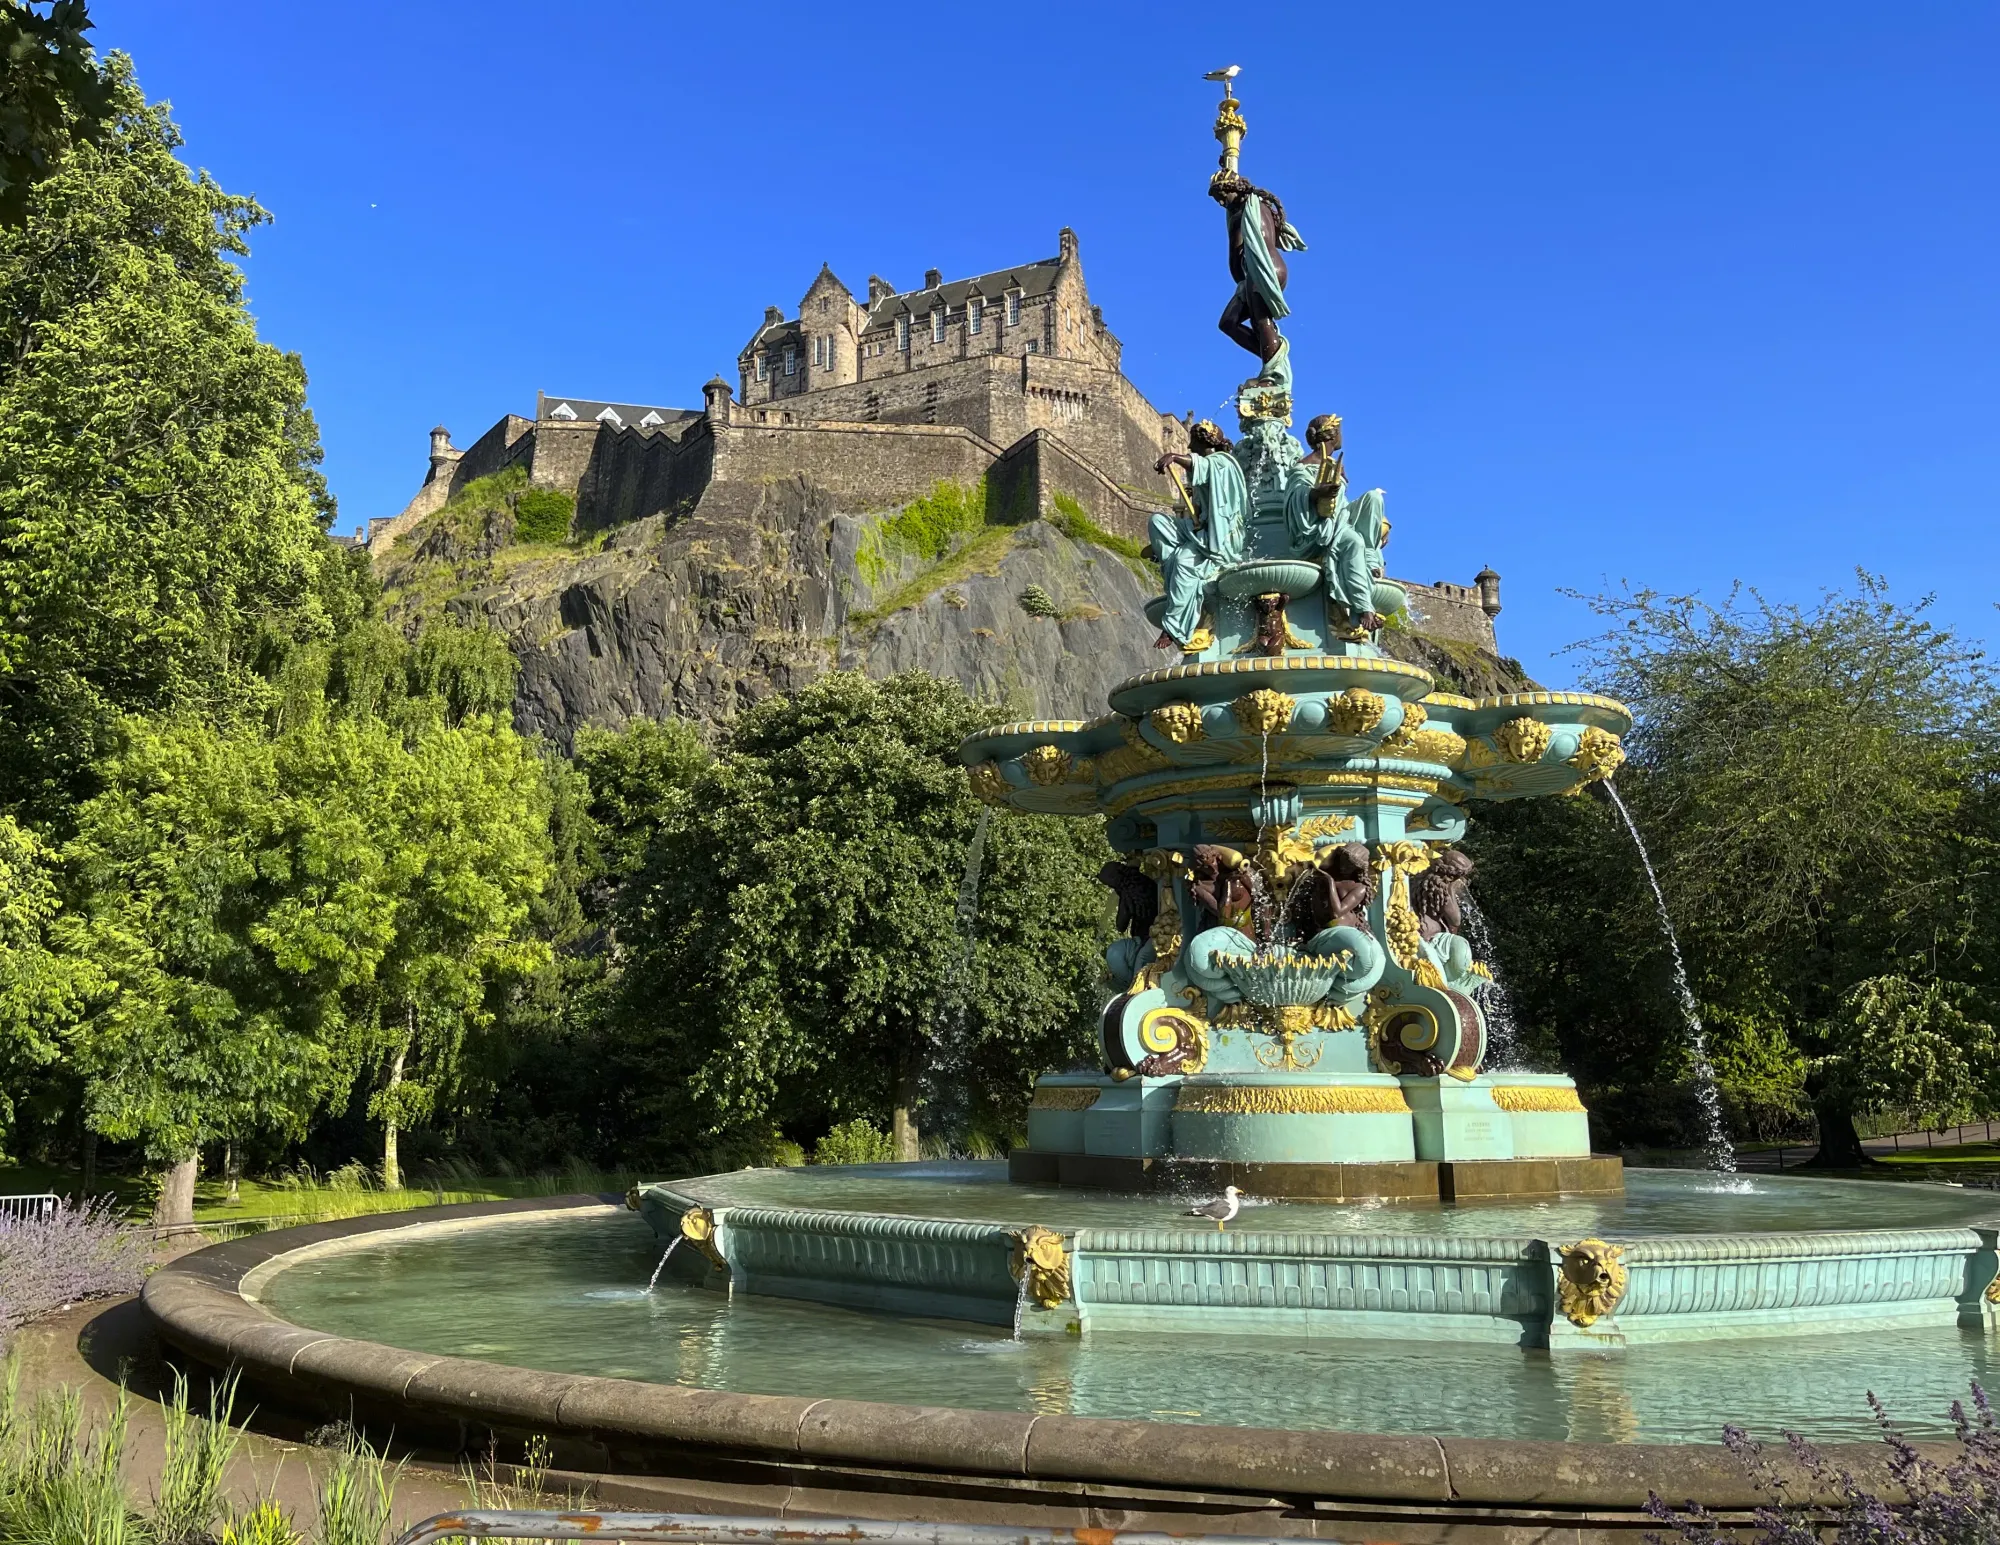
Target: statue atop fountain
1293,1006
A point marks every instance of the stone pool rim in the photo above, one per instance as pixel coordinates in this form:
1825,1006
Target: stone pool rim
198,1305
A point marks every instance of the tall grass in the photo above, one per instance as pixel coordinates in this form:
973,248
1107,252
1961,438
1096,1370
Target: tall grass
357,1496
198,1451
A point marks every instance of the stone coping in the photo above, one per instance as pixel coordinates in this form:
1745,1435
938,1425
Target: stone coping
198,1306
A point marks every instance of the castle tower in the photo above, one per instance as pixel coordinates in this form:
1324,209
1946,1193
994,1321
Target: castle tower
831,323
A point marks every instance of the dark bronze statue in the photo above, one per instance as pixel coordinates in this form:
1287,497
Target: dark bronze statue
1334,894
1138,897
1221,887
1435,893
1259,238
1274,632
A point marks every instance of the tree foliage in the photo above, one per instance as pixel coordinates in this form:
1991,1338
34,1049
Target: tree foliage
268,917
51,95
1816,785
791,950
162,516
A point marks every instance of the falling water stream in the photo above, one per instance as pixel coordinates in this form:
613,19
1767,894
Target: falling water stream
654,1280
1715,1141
1503,1036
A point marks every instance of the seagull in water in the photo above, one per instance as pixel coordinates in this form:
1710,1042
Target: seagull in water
1222,1209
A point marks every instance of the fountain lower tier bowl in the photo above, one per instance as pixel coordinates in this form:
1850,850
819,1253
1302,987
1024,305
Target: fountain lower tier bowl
1679,1259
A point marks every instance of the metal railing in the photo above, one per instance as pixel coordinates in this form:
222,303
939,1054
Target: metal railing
702,1529
22,1209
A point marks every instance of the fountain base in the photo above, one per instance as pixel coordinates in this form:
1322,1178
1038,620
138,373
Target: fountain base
1343,1136
1415,1180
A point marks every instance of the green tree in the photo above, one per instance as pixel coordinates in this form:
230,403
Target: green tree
51,95
1815,782
162,517
791,951
42,991
269,918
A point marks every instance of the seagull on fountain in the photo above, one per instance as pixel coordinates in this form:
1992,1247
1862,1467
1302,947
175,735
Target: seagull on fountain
1222,1209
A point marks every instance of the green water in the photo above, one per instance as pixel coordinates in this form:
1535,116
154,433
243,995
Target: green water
567,1293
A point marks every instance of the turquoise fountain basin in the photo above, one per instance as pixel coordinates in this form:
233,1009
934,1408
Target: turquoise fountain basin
566,1292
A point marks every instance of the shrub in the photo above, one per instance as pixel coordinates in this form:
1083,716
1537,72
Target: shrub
1957,1503
1037,602
70,1253
854,1142
543,515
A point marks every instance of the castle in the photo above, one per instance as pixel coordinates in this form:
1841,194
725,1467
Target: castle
1010,379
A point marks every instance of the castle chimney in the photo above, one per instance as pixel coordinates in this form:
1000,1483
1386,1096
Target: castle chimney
933,279
715,400
1066,244
443,455
879,288
773,315
1489,591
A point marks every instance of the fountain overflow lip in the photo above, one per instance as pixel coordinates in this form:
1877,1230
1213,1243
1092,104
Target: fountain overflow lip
797,1454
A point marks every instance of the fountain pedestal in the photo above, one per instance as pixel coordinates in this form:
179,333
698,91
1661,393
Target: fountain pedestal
1341,1136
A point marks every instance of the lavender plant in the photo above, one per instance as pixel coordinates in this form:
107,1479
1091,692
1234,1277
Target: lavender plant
69,1253
1956,1502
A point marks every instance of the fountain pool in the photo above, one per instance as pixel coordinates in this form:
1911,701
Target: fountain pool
572,1299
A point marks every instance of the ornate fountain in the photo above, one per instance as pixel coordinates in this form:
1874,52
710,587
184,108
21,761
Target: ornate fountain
1295,1008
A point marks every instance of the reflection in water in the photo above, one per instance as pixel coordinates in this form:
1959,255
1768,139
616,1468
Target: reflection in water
557,1294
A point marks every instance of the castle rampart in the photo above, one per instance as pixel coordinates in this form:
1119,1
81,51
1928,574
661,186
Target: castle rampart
1009,378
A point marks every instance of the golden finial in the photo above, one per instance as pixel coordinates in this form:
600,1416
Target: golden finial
1229,125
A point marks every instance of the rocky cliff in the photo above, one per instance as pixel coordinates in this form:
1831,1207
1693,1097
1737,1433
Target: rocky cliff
761,587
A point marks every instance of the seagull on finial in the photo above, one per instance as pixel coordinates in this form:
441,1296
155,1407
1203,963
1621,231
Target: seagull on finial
1227,75
1225,1206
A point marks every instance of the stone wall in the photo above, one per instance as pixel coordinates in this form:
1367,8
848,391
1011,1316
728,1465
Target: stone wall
1451,612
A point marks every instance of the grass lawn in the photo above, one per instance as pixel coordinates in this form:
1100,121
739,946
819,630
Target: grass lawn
308,1198
1956,1153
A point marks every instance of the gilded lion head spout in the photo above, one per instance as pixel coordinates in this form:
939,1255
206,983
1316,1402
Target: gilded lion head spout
1591,1281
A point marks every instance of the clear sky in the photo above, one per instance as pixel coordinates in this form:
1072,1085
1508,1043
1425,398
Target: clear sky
1673,295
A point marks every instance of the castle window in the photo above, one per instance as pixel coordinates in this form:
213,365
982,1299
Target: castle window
791,360
763,366
937,325
1034,345
1013,308
903,333
819,349
975,315
829,351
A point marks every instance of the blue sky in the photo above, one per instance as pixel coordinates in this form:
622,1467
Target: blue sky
1669,295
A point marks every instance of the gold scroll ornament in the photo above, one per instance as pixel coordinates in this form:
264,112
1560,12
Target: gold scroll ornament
1405,932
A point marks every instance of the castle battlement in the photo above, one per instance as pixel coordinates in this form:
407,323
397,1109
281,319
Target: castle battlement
1010,379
